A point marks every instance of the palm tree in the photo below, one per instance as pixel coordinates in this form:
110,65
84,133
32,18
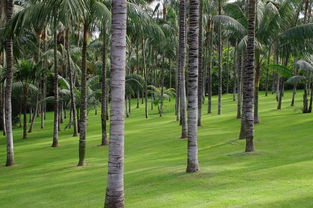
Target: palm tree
95,10
181,67
192,92
248,79
115,186
200,57
8,89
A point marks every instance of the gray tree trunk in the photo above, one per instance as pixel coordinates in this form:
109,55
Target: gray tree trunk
220,62
200,73
55,142
8,90
104,140
192,92
181,68
115,185
83,101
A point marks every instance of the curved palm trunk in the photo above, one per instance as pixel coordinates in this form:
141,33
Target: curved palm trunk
220,62
8,91
83,101
104,140
71,77
248,79
192,93
181,68
56,90
200,73
115,186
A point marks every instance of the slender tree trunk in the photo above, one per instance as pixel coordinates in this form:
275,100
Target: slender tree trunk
193,41
235,77
115,184
257,87
181,68
162,88
56,90
267,71
25,113
104,140
8,90
248,79
280,94
239,93
71,77
210,33
200,73
34,116
83,101
220,62
145,77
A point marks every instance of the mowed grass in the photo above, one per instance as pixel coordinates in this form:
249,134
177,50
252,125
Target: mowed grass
278,174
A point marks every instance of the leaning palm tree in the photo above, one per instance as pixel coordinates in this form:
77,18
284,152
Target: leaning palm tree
115,186
192,92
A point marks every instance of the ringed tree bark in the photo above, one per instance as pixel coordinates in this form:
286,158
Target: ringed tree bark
104,140
248,79
8,89
220,62
200,68
55,142
181,67
83,101
192,92
115,185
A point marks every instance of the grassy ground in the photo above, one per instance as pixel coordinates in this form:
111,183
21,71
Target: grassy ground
278,174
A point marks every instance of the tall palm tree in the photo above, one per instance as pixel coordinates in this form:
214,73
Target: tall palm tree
181,67
95,10
8,89
248,79
192,92
115,186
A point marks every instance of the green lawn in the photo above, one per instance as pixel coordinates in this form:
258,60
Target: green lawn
278,174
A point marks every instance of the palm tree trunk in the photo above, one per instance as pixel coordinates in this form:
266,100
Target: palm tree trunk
34,116
162,87
239,93
71,77
220,62
257,87
8,90
145,78
193,65
267,70
209,75
248,79
115,185
181,68
56,90
200,73
25,114
235,77
83,101
104,140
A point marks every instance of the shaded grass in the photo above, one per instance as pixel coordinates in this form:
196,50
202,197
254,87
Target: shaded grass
278,174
